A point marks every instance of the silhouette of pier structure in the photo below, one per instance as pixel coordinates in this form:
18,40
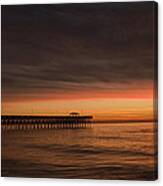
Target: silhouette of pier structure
72,121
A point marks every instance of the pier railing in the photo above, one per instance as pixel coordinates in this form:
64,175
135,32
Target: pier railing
45,122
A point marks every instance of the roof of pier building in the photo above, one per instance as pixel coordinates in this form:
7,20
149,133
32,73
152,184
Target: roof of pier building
74,113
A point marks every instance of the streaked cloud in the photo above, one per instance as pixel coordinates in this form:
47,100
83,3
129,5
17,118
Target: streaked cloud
76,47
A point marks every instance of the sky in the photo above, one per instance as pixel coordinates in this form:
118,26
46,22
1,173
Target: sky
95,59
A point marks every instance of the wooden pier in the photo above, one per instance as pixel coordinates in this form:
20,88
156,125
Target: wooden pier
45,122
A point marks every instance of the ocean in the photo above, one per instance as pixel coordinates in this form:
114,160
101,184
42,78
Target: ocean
126,151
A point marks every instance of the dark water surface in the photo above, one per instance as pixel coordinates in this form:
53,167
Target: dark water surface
106,151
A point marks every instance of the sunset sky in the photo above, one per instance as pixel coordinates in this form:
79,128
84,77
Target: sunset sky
91,58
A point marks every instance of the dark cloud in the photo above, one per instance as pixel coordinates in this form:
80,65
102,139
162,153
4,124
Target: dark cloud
76,46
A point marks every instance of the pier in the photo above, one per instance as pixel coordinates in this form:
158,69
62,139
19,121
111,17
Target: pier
72,121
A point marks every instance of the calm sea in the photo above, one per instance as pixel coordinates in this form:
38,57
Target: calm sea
106,151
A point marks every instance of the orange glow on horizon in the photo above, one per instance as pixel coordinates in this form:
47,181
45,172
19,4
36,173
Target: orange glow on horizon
125,102
126,94
99,108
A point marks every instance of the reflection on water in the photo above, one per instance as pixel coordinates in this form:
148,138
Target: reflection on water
106,151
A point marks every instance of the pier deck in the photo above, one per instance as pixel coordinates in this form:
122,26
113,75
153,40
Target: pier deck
38,122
